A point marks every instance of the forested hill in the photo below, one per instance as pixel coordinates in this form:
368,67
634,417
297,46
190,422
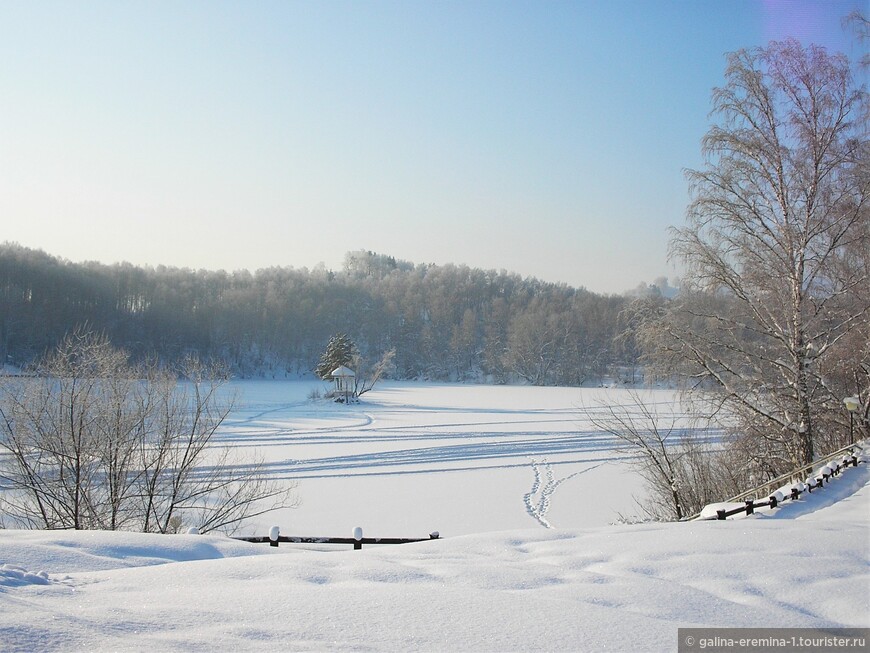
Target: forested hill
445,322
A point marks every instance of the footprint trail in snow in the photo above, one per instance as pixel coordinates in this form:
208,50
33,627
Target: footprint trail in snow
537,500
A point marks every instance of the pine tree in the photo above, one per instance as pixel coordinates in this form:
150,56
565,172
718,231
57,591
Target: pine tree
340,350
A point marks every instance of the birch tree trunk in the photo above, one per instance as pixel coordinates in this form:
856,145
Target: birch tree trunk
775,245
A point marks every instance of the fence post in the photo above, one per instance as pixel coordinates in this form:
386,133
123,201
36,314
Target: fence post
357,535
274,532
750,507
826,473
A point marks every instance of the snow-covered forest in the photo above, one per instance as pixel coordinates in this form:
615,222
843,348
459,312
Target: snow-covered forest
446,322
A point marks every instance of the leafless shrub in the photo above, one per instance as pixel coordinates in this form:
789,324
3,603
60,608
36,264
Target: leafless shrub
675,458
90,441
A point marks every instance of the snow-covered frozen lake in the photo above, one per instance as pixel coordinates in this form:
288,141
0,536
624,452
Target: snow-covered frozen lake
412,458
463,460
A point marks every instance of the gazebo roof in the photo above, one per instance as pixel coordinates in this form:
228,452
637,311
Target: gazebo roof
342,371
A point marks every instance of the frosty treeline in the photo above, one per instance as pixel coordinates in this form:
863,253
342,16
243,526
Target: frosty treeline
444,322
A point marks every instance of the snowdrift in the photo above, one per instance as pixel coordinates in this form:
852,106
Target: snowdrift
624,588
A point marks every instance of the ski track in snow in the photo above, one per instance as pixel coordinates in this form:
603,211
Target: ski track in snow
476,450
308,439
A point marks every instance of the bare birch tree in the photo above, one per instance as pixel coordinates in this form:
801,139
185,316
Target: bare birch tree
775,244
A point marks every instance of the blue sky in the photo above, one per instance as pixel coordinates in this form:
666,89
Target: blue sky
544,138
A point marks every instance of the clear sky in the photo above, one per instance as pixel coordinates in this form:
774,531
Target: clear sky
544,138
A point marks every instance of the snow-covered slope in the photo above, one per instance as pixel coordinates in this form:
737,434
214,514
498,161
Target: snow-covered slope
491,468
624,588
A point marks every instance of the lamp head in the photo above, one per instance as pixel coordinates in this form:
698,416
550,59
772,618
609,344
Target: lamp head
851,403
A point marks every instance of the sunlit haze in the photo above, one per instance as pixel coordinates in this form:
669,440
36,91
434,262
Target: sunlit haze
547,139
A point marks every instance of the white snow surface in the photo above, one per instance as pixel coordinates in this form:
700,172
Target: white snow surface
411,458
583,587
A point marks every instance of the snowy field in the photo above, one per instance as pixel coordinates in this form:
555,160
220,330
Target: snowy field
523,491
410,459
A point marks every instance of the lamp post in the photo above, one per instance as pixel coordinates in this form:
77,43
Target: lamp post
851,405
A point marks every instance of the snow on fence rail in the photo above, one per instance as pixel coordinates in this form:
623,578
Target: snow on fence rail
275,537
789,486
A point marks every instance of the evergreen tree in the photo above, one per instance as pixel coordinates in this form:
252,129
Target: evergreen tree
340,350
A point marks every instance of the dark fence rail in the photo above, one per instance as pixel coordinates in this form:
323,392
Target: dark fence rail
357,540
832,465
797,474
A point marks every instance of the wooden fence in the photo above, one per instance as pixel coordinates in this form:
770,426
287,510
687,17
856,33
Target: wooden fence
832,465
357,540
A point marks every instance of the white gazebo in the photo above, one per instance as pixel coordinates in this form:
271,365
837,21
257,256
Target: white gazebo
344,379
